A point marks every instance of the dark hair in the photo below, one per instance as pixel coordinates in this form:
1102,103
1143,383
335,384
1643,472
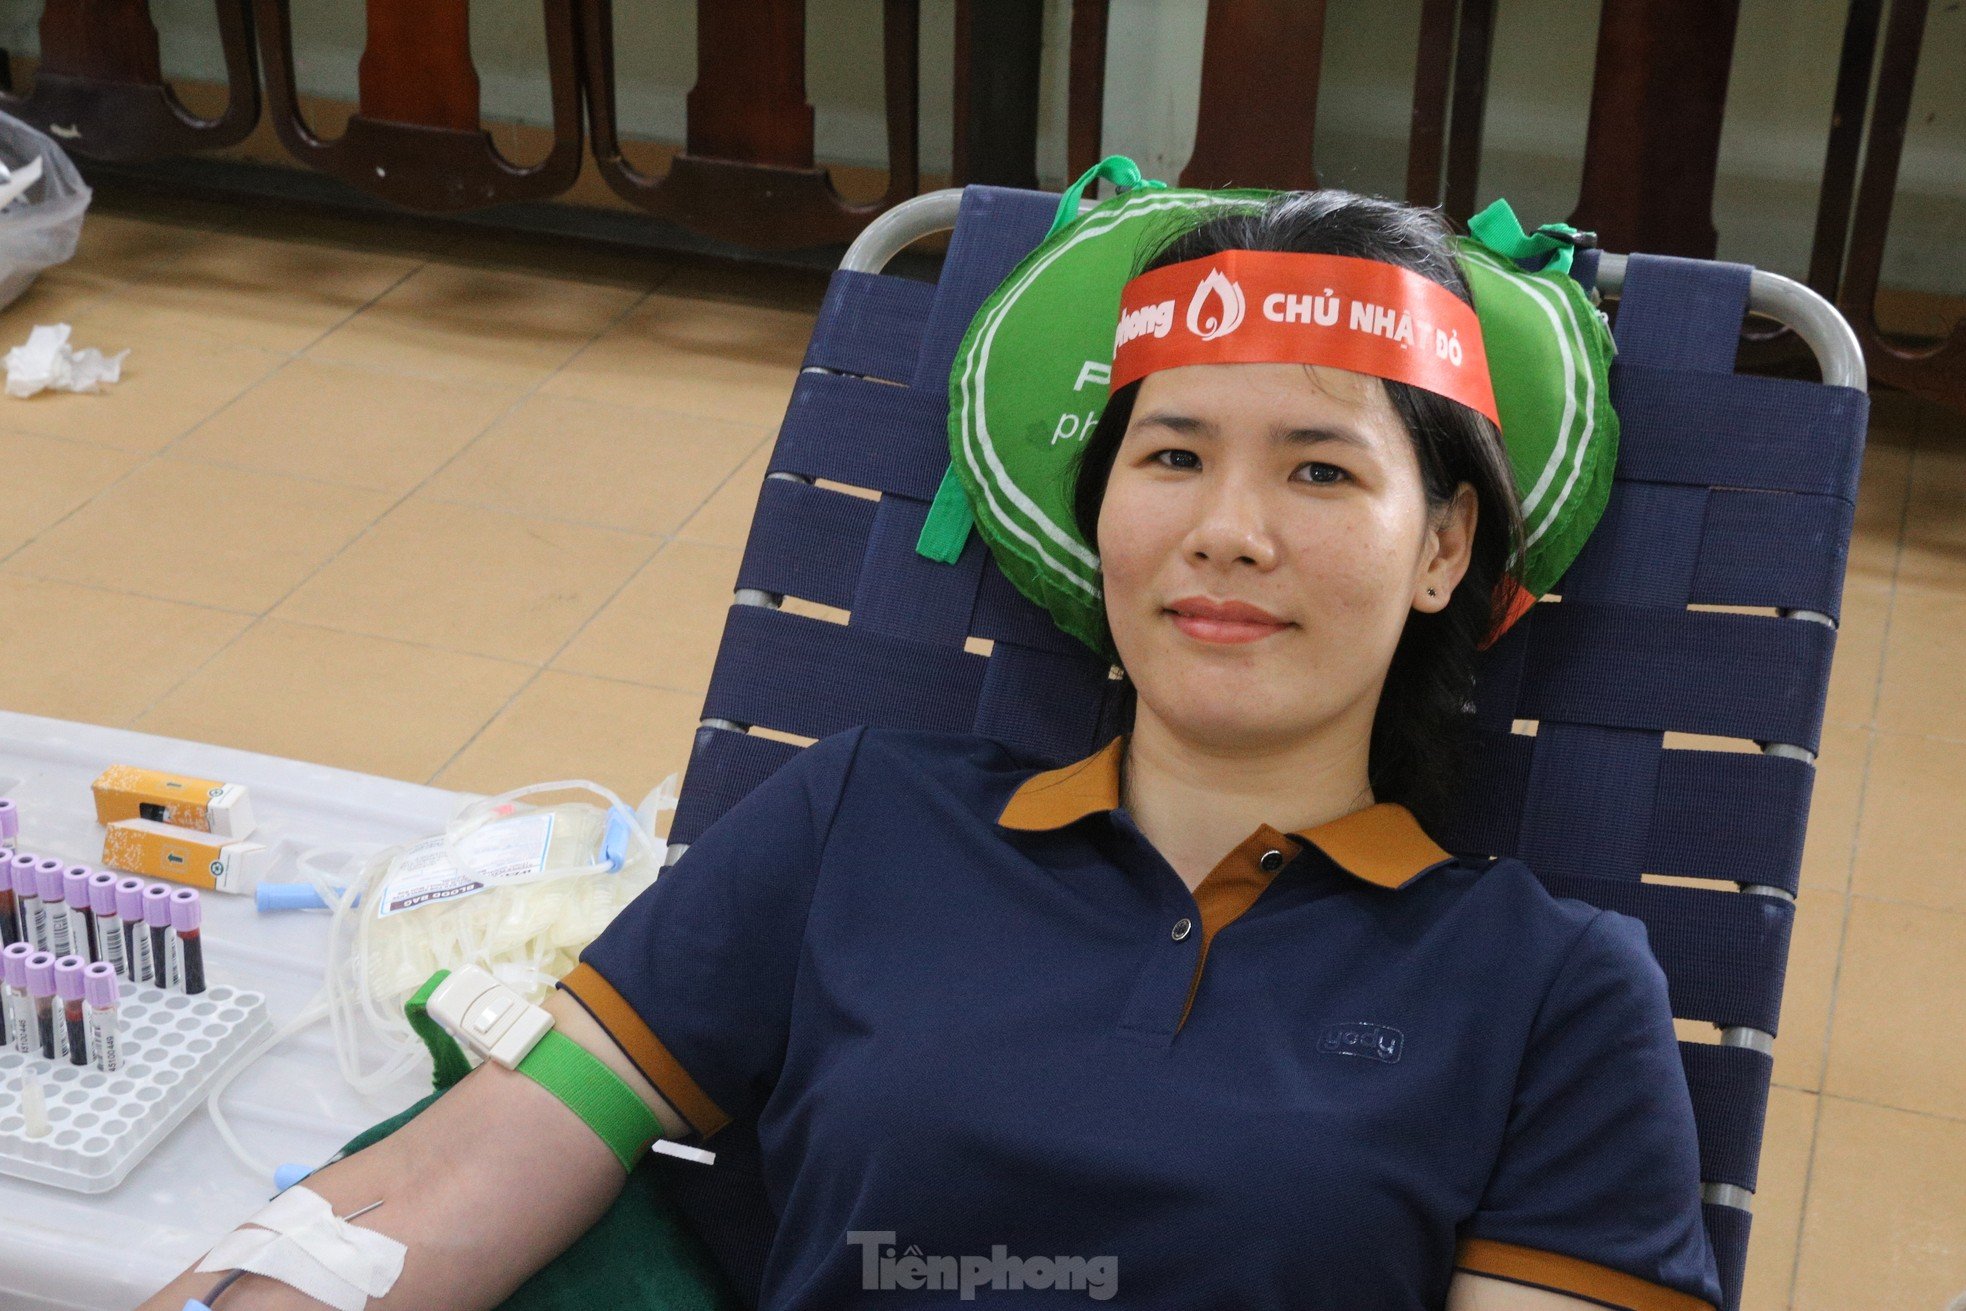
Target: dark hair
1422,728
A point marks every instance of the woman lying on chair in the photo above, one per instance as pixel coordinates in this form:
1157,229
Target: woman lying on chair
1206,1019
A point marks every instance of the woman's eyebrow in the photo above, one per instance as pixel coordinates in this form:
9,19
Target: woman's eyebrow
1190,426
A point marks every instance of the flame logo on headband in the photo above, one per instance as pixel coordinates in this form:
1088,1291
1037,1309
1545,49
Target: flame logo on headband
1228,319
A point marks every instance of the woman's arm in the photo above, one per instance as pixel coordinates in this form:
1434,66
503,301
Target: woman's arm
487,1185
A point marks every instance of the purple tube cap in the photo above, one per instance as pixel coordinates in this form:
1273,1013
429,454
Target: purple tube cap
41,974
157,906
101,983
23,867
186,911
129,897
68,977
9,818
47,879
13,964
75,884
102,892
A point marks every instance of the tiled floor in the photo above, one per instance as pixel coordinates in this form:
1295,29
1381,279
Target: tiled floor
470,513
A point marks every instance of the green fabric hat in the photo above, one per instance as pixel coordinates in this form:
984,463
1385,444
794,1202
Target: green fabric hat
1029,383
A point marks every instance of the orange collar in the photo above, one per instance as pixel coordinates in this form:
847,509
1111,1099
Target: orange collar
1381,844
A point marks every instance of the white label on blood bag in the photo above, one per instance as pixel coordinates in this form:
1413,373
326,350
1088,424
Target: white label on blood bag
499,852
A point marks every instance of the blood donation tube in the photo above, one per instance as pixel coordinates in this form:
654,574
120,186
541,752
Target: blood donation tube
54,908
11,930
157,919
186,915
102,993
21,1035
27,901
109,927
9,823
136,943
81,918
41,991
74,1035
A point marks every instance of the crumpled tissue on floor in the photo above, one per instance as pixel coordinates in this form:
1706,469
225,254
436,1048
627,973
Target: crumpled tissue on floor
48,362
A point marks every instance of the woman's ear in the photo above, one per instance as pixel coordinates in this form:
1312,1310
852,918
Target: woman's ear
1450,547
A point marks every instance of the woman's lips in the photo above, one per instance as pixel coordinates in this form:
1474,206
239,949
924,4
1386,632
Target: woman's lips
1224,630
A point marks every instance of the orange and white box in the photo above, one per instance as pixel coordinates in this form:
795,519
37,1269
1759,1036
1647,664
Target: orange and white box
182,855
128,792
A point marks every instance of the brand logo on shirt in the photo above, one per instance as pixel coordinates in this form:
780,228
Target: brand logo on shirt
1376,1042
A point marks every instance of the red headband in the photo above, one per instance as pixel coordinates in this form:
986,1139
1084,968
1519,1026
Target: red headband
1269,307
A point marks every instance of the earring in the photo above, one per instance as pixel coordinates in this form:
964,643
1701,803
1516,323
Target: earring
1430,591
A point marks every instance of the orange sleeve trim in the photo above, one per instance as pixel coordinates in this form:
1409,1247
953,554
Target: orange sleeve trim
612,1011
1568,1274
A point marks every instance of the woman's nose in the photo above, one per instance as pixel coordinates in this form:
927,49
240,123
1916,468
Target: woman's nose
1230,527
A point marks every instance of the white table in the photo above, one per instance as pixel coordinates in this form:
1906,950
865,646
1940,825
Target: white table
109,1251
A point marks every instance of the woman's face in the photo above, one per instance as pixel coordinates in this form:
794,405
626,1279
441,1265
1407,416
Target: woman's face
1291,493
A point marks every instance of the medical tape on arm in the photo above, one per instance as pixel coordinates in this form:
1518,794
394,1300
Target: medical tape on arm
299,1240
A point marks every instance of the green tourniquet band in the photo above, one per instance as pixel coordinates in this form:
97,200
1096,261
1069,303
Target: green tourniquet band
613,1110
448,1059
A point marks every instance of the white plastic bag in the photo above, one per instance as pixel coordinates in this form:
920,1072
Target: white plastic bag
40,228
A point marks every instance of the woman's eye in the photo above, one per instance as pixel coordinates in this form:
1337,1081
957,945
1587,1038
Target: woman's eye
1312,464
1180,455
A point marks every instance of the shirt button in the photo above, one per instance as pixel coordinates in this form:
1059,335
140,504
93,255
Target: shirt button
1271,861
1182,927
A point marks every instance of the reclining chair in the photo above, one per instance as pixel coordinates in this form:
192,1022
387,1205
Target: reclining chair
1705,602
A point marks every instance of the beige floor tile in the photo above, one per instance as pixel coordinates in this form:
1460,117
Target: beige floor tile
1880,518
662,631
616,466
385,233
98,657
342,699
57,296
1785,1146
203,533
469,579
625,737
172,380
725,519
1913,842
1832,835
1935,520
47,478
1896,1038
1859,656
476,324
1885,1224
1922,691
119,248
559,257
1808,989
359,426
725,360
276,295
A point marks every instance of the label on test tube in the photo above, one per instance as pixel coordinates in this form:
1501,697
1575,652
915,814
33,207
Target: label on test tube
109,929
47,879
27,901
105,1043
21,1036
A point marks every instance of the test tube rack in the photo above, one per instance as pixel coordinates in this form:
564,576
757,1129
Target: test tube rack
100,1123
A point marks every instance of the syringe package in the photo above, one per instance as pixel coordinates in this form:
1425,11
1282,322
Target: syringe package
101,1123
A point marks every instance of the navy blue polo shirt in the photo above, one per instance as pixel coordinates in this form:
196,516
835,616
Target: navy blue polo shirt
991,1041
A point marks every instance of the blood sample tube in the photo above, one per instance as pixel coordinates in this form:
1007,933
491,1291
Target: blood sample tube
102,994
41,992
54,907
74,1033
81,917
109,927
186,915
27,901
9,823
157,919
136,943
21,1034
11,929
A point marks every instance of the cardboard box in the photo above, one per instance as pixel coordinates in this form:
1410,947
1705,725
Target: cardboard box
183,855
128,792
